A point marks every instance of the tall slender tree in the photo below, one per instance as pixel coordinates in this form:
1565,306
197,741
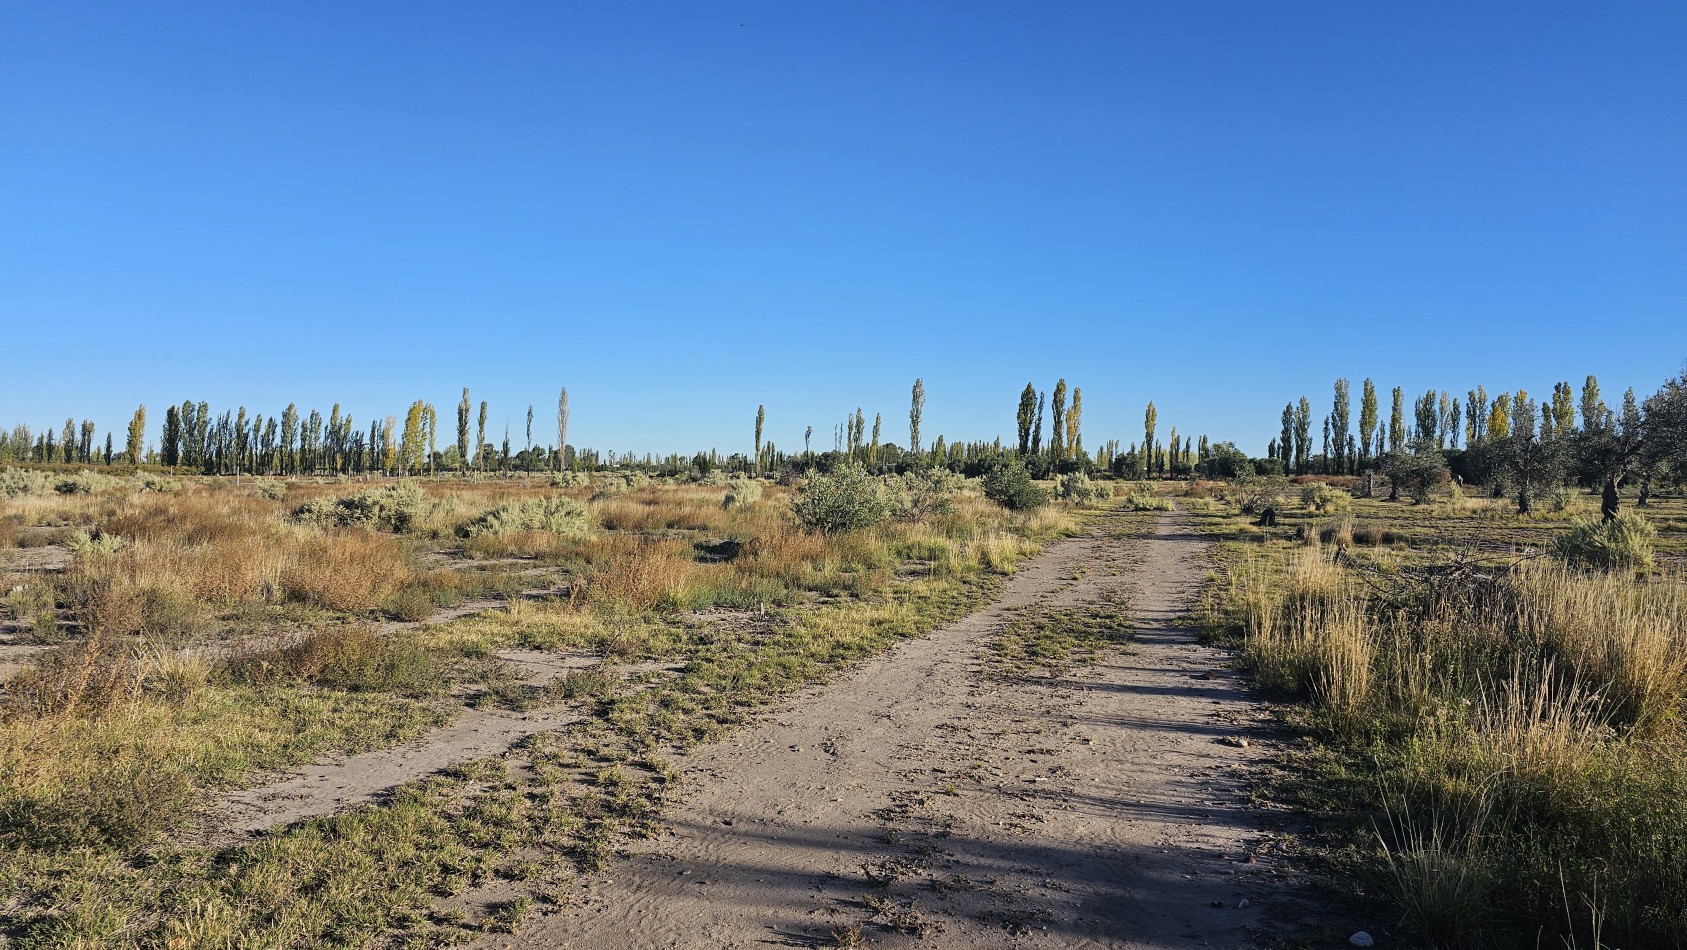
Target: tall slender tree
1150,418
1074,424
916,413
137,436
1285,444
1367,417
1303,436
527,450
562,430
1057,431
463,410
1037,426
1026,416
761,418
1593,408
479,440
1397,421
1339,425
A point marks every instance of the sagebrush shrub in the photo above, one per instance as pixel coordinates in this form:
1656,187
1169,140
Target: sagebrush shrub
269,488
83,545
570,480
17,482
556,514
1080,489
922,493
742,491
1325,499
1147,501
845,499
1010,486
84,482
153,482
393,507
1625,543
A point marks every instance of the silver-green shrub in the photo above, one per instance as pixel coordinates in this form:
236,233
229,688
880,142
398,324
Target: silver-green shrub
1625,543
557,514
847,498
740,492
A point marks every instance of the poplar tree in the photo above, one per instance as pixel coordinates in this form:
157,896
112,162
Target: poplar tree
1074,424
1303,436
807,440
1057,431
1475,417
1149,419
169,450
1564,409
527,453
137,435
1593,408
1499,418
873,449
289,435
1397,421
67,442
1285,444
1367,417
463,410
87,444
761,418
1453,427
916,412
1027,414
433,433
480,439
1037,426
562,429
1339,424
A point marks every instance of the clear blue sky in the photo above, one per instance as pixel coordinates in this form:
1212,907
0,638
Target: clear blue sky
682,210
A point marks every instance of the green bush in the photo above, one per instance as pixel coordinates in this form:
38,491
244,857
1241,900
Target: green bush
557,514
83,545
1325,499
1558,499
269,488
1254,495
922,493
393,507
847,498
742,491
153,482
713,478
1623,544
570,480
84,482
1080,489
17,482
1010,486
1147,501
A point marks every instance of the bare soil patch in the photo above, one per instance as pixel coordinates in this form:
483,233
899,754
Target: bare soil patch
925,797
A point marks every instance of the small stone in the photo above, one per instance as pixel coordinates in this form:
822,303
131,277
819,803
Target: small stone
1361,939
1242,904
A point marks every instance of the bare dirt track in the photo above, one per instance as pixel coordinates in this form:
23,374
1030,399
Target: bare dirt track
924,799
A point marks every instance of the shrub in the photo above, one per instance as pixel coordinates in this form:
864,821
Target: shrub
741,492
84,482
17,482
153,482
269,488
1623,544
845,499
923,493
1254,495
392,507
1325,499
570,480
1558,499
1010,486
1147,501
1418,474
713,478
83,545
555,514
1080,489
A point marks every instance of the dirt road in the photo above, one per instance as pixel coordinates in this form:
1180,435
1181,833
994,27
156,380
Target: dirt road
923,800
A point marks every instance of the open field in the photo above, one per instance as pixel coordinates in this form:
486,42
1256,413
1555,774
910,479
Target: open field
1495,741
185,661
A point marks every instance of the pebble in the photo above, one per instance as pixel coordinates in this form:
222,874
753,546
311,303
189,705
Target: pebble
1361,939
1242,904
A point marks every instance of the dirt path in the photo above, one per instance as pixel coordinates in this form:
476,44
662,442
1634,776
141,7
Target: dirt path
921,800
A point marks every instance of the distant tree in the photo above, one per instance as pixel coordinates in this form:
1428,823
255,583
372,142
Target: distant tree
1285,443
1057,431
807,438
1303,436
463,410
1593,408
432,420
916,412
527,449
1475,417
1563,410
479,441
1074,425
761,419
137,436
1026,416
1530,464
410,444
1453,425
1499,418
873,447
169,449
67,442
108,452
1397,422
1149,419
1367,417
562,430
1339,425
1037,426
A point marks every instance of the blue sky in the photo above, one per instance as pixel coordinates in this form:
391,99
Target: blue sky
682,210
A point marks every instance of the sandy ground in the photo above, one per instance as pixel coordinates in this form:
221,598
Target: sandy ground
920,799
